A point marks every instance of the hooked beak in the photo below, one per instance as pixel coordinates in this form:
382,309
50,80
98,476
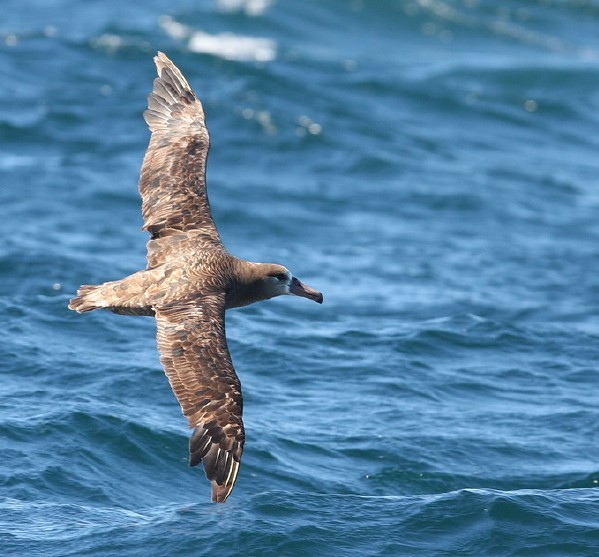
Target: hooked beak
298,288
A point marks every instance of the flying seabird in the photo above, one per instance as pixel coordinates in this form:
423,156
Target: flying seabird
190,279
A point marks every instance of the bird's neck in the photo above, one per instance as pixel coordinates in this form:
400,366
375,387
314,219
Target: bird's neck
246,286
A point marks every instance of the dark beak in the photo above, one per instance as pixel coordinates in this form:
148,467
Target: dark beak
298,288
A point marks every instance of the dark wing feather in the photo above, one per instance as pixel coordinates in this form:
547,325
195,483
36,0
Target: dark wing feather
193,350
173,175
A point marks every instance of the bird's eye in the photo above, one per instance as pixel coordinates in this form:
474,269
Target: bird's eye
279,276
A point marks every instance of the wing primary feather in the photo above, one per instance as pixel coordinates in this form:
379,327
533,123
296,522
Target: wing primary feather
198,446
232,472
220,466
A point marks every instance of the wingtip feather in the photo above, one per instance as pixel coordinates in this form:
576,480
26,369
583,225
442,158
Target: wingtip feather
220,493
220,466
172,98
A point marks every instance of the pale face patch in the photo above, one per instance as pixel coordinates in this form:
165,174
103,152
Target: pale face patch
279,282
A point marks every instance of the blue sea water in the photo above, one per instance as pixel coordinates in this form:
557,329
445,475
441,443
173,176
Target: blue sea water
430,165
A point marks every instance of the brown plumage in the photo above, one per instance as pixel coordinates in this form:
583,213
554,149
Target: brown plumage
190,279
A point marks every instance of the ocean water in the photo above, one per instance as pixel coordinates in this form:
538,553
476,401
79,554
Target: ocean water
431,165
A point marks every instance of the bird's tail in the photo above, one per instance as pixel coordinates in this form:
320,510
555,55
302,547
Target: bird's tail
89,297
126,296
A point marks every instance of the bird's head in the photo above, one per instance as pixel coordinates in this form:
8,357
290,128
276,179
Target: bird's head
278,280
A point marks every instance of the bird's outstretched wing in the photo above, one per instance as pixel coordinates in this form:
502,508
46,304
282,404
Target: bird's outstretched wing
193,350
173,174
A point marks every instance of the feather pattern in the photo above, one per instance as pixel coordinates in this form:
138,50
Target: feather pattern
172,182
194,354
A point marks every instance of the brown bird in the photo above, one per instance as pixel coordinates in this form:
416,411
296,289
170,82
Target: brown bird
190,279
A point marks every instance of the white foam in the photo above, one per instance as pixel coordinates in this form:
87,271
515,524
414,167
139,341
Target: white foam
224,45
252,8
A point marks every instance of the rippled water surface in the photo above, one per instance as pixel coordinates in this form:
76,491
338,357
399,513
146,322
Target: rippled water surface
432,166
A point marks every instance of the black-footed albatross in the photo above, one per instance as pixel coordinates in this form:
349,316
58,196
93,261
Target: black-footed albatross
190,279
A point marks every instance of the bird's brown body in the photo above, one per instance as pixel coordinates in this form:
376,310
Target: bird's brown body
190,279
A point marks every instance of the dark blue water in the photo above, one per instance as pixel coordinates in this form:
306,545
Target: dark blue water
431,166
